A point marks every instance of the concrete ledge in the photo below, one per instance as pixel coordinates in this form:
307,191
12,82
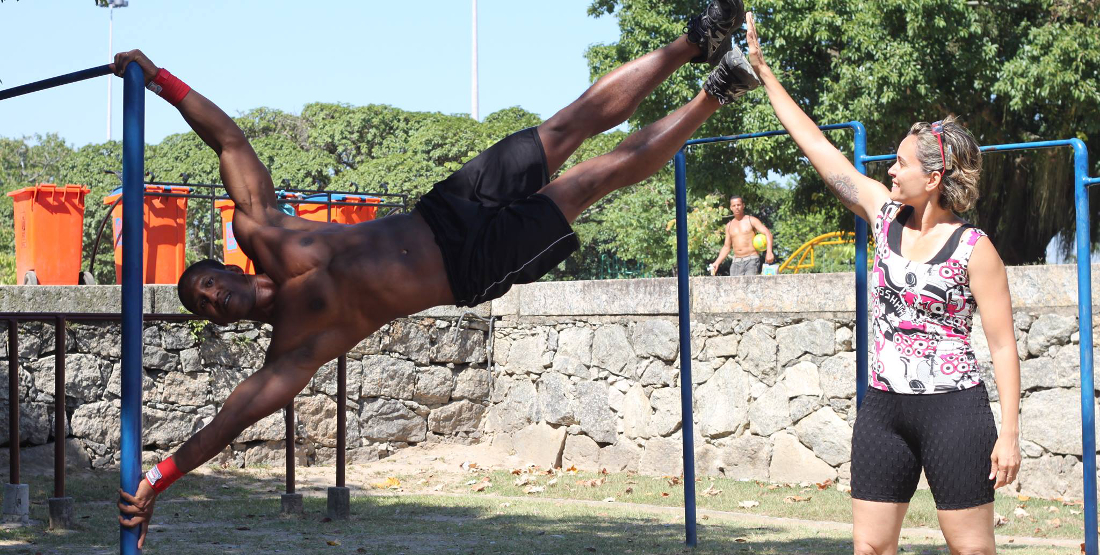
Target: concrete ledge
1044,286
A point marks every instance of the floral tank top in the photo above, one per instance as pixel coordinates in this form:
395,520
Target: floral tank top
923,312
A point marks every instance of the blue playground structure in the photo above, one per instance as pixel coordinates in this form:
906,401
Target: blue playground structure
133,191
1081,183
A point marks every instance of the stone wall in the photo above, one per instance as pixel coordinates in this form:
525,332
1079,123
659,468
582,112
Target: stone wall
583,373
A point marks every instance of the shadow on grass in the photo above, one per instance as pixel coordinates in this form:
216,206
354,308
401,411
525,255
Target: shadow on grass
233,512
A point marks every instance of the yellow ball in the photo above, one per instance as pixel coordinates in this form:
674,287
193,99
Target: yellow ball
760,242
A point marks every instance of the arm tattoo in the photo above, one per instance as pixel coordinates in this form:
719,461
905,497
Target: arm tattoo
841,185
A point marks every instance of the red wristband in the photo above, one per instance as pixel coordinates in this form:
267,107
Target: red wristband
162,475
168,87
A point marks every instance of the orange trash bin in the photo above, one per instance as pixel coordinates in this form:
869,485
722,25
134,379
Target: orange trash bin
49,233
231,251
164,229
340,214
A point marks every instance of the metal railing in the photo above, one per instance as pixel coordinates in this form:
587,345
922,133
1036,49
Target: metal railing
60,319
392,203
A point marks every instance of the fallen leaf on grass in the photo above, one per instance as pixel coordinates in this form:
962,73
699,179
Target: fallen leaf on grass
1074,512
999,520
773,486
796,499
748,504
711,492
438,488
389,482
673,480
523,481
471,482
333,543
706,517
552,481
1020,513
505,504
468,466
571,470
1052,509
609,500
595,483
1054,523
664,494
741,540
603,471
533,489
628,491
825,484
243,528
1023,497
480,486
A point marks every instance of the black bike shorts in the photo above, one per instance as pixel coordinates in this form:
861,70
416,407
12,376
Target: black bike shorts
492,227
951,435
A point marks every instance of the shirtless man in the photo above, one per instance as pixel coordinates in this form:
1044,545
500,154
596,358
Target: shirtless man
497,221
740,232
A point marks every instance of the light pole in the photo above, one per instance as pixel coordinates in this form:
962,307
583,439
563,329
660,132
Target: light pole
473,70
110,5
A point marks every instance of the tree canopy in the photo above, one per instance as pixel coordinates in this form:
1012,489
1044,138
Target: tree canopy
1013,71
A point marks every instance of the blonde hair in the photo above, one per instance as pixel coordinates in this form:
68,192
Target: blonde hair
959,184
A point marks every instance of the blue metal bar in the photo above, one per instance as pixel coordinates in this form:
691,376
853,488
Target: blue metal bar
1001,148
683,289
133,175
52,82
727,138
859,152
1084,301
1084,314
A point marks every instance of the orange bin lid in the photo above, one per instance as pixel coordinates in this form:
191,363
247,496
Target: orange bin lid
50,188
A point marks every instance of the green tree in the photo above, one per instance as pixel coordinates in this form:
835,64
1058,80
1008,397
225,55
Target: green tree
1014,71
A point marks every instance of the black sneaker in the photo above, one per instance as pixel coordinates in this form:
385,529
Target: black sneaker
711,31
732,78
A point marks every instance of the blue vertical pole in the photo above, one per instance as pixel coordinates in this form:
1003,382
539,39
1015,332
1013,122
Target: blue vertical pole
683,290
859,152
133,171
1084,315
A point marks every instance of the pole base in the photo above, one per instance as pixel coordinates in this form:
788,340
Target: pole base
17,504
339,503
292,504
61,513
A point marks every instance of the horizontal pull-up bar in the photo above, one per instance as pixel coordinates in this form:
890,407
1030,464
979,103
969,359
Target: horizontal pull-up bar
52,82
855,125
1076,144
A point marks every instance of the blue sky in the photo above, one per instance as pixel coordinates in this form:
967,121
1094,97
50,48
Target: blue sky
247,54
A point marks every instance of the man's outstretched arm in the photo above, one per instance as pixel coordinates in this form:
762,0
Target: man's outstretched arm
269,389
246,179
722,253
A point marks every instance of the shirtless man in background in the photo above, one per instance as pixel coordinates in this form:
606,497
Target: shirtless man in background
739,234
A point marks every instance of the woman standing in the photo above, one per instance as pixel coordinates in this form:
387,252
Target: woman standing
927,406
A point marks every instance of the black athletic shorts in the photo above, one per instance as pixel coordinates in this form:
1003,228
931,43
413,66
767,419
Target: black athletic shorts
950,434
492,227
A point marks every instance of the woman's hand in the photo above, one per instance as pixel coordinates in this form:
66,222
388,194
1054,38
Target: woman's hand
756,57
1005,460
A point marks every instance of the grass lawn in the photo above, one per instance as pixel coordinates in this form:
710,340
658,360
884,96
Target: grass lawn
524,511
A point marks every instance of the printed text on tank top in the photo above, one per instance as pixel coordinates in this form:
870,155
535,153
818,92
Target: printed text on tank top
923,311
